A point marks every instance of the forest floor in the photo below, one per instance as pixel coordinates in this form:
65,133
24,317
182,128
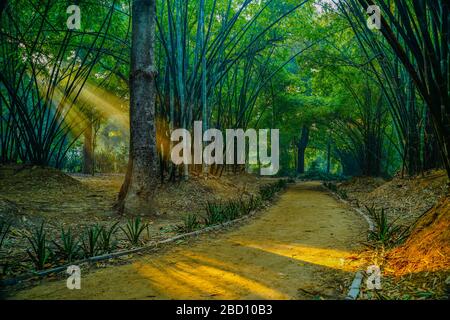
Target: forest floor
305,246
32,195
419,267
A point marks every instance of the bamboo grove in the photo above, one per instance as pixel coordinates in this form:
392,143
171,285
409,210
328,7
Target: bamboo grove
369,102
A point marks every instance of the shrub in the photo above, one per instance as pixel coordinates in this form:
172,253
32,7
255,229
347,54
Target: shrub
133,230
40,252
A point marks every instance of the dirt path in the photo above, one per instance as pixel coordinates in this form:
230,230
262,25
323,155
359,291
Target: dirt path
303,247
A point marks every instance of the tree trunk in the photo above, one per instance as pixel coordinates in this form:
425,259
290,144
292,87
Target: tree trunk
137,193
88,150
301,147
328,155
431,156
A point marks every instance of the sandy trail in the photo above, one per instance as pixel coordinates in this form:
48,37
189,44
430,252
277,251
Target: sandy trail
303,247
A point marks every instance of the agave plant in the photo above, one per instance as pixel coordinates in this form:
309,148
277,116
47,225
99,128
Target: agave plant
40,252
107,242
231,210
385,233
190,223
247,206
214,214
68,247
267,191
133,230
90,243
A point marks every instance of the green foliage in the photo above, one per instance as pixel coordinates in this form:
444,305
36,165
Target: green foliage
133,230
343,194
214,213
90,241
107,242
322,176
386,233
253,203
190,223
291,180
268,191
40,252
220,212
68,247
331,186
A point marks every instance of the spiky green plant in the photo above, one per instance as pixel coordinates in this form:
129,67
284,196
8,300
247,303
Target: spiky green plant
214,213
190,223
40,252
343,194
385,233
247,206
107,241
69,246
90,241
133,230
267,192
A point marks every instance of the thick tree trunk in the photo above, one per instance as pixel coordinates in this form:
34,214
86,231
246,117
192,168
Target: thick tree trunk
301,147
88,150
137,193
